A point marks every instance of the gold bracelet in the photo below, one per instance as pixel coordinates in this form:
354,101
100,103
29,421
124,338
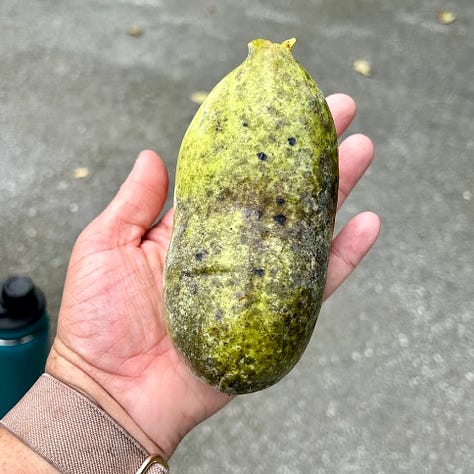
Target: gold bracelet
152,461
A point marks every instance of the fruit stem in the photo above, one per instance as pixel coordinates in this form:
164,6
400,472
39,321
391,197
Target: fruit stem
289,43
260,44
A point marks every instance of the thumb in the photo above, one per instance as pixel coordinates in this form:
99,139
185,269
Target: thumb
137,204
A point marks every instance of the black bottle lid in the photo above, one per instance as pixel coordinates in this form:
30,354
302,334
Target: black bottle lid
21,303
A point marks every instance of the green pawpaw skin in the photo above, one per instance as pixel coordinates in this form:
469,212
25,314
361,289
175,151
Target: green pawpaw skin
255,202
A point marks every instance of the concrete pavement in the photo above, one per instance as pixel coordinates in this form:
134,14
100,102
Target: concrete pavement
386,383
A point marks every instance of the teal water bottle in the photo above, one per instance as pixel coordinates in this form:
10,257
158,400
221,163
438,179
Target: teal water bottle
24,326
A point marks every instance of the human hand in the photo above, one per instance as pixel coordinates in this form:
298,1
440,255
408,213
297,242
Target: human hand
112,342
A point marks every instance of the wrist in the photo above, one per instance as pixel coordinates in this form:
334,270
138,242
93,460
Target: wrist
70,374
73,434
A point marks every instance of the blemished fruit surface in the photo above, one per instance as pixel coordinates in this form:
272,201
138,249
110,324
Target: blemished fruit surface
255,202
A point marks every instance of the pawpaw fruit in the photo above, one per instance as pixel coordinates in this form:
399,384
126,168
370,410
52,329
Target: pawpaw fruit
255,202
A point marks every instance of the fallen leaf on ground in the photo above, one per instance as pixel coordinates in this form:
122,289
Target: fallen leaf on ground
198,97
135,31
81,173
209,8
446,18
362,66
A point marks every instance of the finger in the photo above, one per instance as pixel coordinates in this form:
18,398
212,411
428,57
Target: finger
343,110
138,202
355,156
349,248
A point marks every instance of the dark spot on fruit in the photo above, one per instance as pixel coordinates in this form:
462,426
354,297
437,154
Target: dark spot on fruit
280,219
292,141
262,156
218,315
200,256
280,201
245,124
259,272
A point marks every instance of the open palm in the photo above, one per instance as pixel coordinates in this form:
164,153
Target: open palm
111,325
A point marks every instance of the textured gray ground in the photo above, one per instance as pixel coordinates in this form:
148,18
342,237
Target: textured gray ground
386,384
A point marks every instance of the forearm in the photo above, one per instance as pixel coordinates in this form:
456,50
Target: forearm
18,458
